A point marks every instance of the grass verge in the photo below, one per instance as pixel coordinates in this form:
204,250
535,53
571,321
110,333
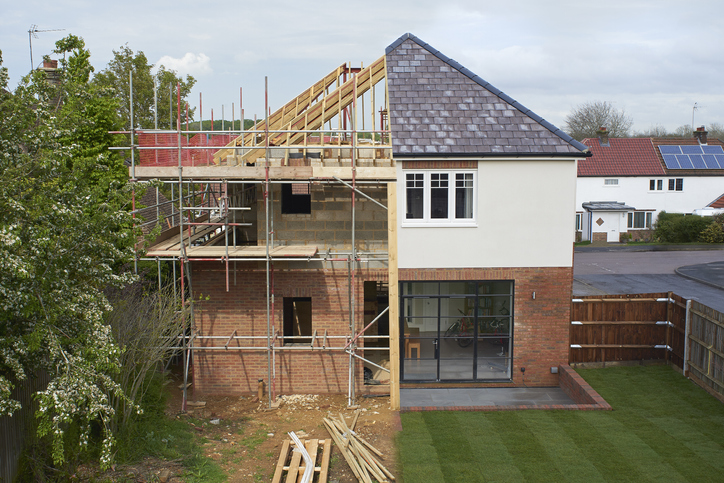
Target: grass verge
662,428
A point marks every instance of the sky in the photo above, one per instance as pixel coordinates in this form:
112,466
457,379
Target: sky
655,60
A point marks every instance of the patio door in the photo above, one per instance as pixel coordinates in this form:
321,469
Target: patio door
456,331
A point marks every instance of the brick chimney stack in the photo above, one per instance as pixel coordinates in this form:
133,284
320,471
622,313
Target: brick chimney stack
700,135
603,136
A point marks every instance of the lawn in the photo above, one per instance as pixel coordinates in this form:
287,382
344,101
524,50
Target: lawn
662,428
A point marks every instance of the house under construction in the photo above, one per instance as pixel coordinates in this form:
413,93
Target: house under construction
404,223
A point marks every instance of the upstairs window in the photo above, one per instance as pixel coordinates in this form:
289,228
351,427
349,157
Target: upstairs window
676,184
440,197
610,182
656,184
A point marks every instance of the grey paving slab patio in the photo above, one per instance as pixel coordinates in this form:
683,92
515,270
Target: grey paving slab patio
475,397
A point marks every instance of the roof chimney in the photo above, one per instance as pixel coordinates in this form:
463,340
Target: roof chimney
602,136
700,134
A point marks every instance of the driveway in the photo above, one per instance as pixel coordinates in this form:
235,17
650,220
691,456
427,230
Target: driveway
692,274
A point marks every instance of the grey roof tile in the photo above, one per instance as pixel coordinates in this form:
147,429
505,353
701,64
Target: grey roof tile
443,103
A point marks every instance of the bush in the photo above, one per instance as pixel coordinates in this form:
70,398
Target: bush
714,233
679,228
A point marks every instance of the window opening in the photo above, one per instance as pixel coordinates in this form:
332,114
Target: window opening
297,319
296,199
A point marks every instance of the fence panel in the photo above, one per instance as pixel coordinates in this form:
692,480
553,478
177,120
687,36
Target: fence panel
13,430
620,328
706,348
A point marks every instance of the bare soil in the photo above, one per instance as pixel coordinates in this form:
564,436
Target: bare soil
248,438
245,438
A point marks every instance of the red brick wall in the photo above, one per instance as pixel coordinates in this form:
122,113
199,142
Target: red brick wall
243,308
599,237
540,326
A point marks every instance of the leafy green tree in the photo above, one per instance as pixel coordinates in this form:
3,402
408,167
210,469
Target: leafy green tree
586,119
62,239
116,77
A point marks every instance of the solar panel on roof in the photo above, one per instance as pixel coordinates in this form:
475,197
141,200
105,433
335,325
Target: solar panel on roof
710,161
697,161
670,149
694,149
671,162
693,156
684,161
712,150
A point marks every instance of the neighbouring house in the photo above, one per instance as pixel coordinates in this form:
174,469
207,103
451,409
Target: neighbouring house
429,245
627,182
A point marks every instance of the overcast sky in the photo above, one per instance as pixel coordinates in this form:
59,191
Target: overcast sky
653,59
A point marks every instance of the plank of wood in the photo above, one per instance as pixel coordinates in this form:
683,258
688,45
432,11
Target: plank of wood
293,471
280,463
326,454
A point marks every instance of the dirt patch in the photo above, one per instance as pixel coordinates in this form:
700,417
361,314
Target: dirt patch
245,438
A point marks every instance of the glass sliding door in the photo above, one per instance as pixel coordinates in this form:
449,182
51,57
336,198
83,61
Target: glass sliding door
456,331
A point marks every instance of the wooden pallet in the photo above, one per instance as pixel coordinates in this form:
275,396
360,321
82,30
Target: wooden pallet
291,462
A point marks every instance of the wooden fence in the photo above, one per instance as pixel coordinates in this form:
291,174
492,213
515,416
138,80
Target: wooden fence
14,430
705,361
657,326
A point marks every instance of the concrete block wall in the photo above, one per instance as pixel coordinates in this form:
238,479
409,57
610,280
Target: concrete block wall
330,223
243,308
540,325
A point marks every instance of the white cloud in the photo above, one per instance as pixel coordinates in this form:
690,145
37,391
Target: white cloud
193,64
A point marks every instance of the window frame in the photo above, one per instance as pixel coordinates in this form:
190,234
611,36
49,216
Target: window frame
631,221
429,180
610,182
676,184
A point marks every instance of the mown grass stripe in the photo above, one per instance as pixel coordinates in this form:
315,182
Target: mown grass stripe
586,430
488,449
417,451
562,450
527,453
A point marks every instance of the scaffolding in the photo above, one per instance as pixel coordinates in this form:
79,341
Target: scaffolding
214,178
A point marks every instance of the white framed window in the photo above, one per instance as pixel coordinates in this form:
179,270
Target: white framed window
639,219
440,197
656,184
578,221
610,182
676,184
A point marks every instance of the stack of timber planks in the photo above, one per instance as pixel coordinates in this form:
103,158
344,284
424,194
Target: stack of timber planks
360,455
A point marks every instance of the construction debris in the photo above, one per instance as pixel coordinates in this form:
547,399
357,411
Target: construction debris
360,455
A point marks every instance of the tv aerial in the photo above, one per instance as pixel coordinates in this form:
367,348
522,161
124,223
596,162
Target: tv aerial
33,32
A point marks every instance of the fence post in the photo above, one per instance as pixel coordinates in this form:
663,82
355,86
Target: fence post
686,338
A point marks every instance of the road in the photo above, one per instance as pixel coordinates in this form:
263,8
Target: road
621,272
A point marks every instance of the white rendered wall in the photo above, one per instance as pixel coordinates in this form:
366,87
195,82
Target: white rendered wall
525,215
634,191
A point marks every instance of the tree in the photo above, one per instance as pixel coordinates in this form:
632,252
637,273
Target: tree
62,240
116,77
587,118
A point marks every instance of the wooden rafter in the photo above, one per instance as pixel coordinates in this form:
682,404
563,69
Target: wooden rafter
303,114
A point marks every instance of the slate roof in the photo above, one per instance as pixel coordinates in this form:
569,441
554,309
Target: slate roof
438,107
622,157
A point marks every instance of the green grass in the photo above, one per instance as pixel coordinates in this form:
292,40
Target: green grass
662,428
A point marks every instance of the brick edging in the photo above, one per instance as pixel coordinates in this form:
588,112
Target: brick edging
579,390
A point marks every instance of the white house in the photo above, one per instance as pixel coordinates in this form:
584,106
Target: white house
627,182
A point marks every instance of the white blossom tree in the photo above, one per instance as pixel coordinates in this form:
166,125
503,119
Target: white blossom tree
62,241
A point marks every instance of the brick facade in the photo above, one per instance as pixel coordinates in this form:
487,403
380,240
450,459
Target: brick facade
540,326
243,309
